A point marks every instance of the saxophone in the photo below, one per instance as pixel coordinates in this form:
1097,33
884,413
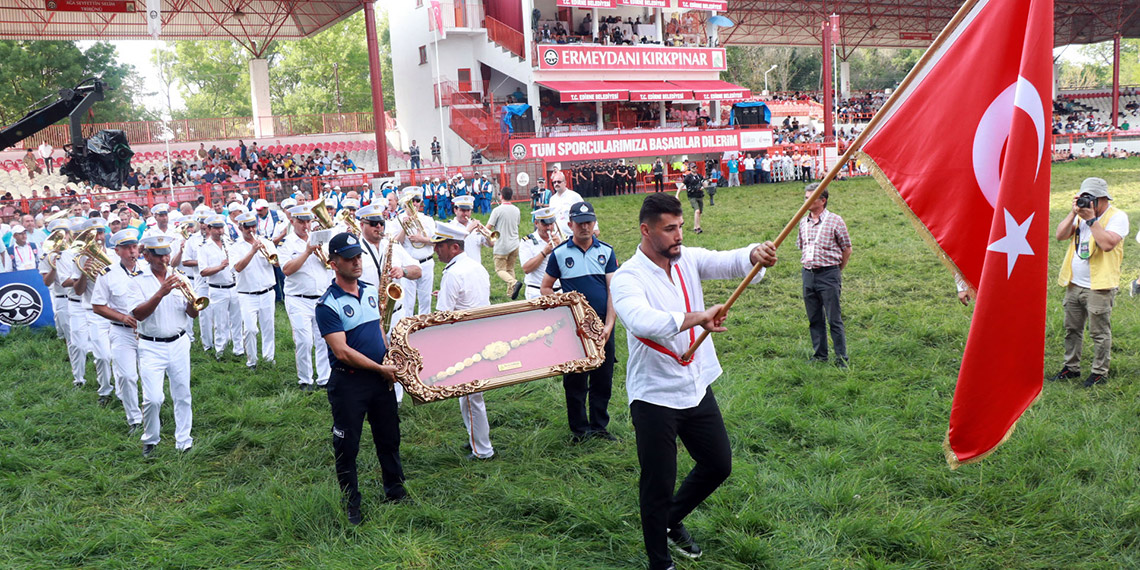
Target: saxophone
391,292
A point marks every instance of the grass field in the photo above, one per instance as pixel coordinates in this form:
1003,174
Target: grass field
831,468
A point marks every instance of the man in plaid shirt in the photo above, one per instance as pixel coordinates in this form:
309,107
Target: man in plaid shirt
825,248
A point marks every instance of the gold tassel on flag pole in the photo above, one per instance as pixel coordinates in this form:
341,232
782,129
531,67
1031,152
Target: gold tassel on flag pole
945,34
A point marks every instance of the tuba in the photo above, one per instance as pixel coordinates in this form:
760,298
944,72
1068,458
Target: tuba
86,244
187,291
410,222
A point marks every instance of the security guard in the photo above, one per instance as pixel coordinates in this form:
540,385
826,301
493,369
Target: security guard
164,348
348,316
249,257
116,294
535,250
306,279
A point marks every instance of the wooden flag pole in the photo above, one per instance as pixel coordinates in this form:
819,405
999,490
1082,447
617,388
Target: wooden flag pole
845,158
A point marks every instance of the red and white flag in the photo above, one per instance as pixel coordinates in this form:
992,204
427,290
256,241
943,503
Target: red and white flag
965,147
437,15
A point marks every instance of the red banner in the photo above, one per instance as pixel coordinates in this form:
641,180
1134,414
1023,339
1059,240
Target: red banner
645,3
916,36
587,3
91,5
628,145
629,58
717,5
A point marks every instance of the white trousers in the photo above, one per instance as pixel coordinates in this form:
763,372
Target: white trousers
171,359
257,314
125,360
475,420
205,316
99,331
78,343
226,319
59,313
419,290
306,337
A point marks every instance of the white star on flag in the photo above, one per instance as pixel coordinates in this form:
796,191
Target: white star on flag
1014,242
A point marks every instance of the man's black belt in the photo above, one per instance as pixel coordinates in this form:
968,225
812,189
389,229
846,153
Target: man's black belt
230,286
822,269
423,261
60,296
166,339
75,300
256,292
120,325
540,287
307,296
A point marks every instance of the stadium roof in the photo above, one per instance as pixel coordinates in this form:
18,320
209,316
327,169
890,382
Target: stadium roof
252,23
907,23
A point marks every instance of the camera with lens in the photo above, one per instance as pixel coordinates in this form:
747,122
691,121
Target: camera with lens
1085,201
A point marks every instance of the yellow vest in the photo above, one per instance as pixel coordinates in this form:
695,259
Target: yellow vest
1104,266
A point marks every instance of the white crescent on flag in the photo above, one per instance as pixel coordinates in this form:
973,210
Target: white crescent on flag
993,132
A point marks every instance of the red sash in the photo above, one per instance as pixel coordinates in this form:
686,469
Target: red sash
692,334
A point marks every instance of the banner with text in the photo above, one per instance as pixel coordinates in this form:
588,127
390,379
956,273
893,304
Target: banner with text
587,3
629,58
645,3
717,5
628,145
97,6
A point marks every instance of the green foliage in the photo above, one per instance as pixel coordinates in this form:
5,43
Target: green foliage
1095,69
32,71
214,76
798,69
831,469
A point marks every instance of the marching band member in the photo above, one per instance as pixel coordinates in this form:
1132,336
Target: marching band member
474,241
78,340
417,288
535,249
306,279
190,253
161,213
348,316
214,263
164,348
465,285
250,258
59,303
116,294
88,332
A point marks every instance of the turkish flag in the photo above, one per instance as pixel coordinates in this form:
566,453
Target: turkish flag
965,147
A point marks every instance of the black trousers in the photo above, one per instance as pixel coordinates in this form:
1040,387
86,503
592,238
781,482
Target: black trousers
353,396
702,431
821,300
658,182
597,384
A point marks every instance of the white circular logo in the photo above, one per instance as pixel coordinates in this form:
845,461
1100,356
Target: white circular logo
518,151
550,57
20,304
522,179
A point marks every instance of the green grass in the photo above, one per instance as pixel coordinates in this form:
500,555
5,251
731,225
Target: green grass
831,468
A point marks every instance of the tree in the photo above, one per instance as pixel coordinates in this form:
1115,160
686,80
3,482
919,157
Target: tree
213,75
33,73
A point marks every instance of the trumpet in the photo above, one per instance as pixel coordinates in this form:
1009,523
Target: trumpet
410,222
87,245
490,235
264,247
187,291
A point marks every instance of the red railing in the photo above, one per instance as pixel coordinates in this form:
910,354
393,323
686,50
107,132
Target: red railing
506,37
479,129
190,130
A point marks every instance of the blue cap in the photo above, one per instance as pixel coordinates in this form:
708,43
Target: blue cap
582,212
345,245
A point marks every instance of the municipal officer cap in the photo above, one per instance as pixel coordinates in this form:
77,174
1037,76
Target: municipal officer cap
58,224
158,244
160,209
448,230
216,221
301,212
77,223
582,212
344,245
129,236
544,215
246,219
350,203
371,213
413,191
464,202
97,223
288,203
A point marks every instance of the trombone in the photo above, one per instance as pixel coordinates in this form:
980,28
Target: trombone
187,291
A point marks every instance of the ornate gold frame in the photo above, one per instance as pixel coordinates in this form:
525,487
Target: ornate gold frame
409,362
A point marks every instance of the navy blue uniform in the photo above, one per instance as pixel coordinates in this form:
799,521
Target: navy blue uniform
585,272
354,393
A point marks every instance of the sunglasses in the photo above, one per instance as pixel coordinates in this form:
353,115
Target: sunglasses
557,182
374,224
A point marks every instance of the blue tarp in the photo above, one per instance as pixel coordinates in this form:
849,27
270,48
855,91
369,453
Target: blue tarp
767,111
510,111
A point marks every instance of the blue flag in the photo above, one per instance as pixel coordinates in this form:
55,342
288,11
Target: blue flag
25,300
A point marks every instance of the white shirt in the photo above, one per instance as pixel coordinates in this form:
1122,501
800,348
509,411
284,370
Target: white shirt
46,150
417,253
265,226
653,307
211,255
65,269
530,247
1118,225
473,243
190,253
465,285
89,292
258,273
169,318
749,163
118,290
374,259
23,257
312,278
561,203
56,288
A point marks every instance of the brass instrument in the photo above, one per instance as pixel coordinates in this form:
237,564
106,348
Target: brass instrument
349,220
187,230
410,222
324,222
54,246
86,245
490,235
187,291
392,291
262,246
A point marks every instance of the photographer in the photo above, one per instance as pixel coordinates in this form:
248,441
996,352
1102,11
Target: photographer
1090,274
694,189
